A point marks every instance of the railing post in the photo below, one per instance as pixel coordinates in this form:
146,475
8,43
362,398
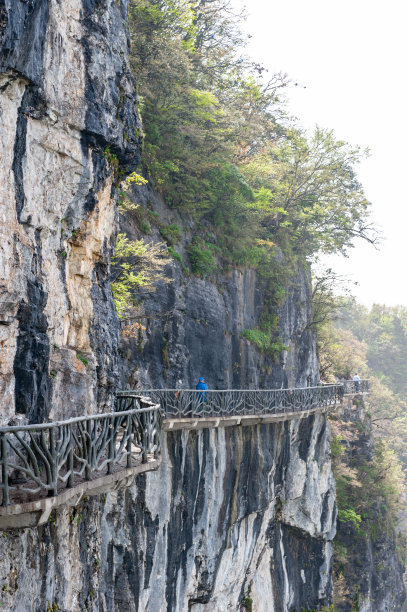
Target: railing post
157,421
70,482
111,447
4,471
129,440
144,440
53,464
88,469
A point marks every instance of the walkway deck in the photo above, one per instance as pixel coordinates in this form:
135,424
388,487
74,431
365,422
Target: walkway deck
174,424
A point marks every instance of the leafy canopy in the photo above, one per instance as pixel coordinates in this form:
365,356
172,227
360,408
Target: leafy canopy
220,147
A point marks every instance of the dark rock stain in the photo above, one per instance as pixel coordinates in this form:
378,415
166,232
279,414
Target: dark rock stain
301,553
105,94
325,510
31,362
23,26
320,442
19,154
304,435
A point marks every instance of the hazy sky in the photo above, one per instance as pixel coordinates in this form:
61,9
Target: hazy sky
350,56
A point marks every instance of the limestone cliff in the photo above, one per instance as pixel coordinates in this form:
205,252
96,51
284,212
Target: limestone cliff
67,108
233,515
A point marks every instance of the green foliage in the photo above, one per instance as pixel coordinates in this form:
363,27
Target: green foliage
144,227
171,233
314,183
201,257
363,487
349,516
113,161
126,204
175,254
258,337
384,329
337,448
83,359
355,604
340,353
133,179
138,268
370,493
247,603
341,554
374,343
265,338
219,147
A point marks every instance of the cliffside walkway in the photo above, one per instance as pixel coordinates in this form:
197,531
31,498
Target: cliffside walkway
351,388
47,465
190,403
192,409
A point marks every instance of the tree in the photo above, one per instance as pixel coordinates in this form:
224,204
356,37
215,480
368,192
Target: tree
220,147
314,184
340,354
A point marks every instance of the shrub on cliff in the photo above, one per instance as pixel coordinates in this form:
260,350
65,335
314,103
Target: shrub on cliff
138,268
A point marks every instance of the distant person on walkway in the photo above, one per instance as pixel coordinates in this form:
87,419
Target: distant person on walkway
178,388
202,386
356,381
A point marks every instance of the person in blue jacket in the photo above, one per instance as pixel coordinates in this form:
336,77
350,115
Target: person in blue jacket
202,386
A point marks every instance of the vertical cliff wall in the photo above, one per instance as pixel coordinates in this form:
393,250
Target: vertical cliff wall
66,99
194,325
232,514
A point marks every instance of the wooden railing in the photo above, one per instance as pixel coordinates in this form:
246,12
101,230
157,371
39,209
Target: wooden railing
354,386
43,459
190,403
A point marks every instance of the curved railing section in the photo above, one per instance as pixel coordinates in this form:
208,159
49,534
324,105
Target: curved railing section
177,403
42,459
354,386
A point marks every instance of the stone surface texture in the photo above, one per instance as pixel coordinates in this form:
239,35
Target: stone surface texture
66,95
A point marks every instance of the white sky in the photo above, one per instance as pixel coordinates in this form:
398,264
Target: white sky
351,58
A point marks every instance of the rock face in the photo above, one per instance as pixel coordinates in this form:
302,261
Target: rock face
194,326
66,99
233,514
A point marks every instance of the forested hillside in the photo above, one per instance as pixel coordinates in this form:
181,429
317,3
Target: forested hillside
221,150
371,478
372,342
